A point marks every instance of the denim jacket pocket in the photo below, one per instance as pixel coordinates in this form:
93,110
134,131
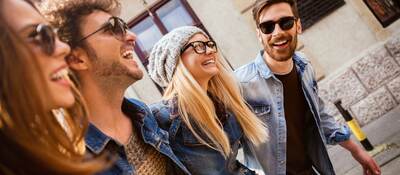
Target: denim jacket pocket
262,111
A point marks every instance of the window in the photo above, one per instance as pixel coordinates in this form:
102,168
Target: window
386,11
311,11
165,16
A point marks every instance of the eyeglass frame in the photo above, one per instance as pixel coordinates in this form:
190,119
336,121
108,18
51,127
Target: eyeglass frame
205,44
47,47
107,24
292,18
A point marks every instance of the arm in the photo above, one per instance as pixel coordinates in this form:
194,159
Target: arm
334,133
369,165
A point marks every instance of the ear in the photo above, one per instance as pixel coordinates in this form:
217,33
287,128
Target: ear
78,60
298,26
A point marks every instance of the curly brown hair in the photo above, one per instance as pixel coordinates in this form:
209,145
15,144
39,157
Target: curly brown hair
67,16
261,4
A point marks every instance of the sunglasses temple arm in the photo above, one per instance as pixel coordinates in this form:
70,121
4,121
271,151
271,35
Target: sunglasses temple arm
101,28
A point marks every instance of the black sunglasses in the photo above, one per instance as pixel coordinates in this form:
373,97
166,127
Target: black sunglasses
44,36
200,47
115,25
285,23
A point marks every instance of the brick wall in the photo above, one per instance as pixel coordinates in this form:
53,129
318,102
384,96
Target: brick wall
370,86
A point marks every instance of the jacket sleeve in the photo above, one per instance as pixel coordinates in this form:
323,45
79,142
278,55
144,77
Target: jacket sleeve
334,132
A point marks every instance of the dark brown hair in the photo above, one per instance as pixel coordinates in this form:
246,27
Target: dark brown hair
68,15
261,4
32,139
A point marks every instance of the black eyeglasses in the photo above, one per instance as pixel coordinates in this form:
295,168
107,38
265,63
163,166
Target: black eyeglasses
44,36
285,23
115,25
200,47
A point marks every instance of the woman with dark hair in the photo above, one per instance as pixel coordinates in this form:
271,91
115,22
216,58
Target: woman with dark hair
42,115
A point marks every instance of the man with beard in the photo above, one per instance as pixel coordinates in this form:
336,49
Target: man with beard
102,58
281,88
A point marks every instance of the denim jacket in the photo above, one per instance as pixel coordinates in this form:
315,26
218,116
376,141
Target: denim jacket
264,93
198,158
143,120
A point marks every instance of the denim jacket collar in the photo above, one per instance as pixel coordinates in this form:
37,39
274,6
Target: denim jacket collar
266,72
96,141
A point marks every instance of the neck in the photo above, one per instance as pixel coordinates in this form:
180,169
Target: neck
104,103
203,84
279,67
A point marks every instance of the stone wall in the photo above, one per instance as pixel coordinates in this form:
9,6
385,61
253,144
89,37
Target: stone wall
370,86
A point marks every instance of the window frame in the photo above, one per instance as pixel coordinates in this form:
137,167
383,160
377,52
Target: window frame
387,22
157,21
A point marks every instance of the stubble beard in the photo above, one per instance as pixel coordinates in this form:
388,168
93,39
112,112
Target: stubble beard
281,57
112,72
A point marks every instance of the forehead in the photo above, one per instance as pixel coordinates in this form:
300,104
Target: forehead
94,20
276,11
27,15
198,37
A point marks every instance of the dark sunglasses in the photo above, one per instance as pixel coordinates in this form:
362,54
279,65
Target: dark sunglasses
45,36
115,25
285,23
200,47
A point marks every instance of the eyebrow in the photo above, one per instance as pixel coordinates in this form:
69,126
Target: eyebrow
28,27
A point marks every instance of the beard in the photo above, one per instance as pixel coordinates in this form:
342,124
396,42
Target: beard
281,55
112,69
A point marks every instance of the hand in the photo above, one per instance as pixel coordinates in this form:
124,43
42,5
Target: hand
369,165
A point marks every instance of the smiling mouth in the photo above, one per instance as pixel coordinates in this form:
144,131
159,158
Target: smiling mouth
127,54
280,43
59,75
208,62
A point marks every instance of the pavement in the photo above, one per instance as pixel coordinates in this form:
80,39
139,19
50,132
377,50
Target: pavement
384,134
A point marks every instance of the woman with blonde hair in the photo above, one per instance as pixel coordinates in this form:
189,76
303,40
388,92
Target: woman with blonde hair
202,107
35,138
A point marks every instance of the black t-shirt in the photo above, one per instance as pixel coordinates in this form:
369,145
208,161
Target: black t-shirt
296,109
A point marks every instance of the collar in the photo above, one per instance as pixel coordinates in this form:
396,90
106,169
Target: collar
96,140
262,67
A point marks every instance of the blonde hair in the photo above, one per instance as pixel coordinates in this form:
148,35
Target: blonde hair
197,109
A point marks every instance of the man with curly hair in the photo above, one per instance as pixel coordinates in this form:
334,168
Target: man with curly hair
102,59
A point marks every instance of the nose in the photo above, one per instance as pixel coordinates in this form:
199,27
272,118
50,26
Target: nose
61,49
130,36
277,29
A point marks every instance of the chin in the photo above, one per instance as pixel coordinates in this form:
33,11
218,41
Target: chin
136,74
64,101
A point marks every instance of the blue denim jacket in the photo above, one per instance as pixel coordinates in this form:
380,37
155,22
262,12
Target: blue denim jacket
144,122
264,93
198,158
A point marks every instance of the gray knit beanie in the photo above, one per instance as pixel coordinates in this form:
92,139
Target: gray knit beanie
166,52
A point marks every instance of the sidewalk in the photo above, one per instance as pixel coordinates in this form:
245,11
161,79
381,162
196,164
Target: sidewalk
384,134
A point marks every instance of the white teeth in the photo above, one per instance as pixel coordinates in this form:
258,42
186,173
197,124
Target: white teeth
128,54
60,74
208,62
280,42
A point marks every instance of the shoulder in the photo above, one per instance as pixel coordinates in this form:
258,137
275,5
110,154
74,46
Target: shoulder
246,72
304,64
137,103
162,112
302,57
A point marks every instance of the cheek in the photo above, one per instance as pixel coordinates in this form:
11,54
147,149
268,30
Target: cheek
190,62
